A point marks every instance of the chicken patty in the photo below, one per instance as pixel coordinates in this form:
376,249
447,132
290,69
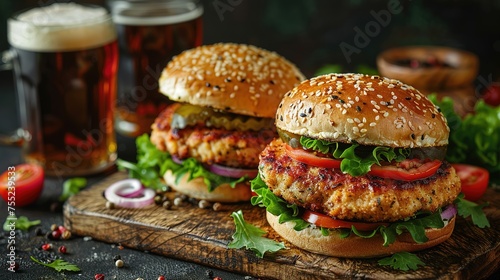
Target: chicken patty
210,145
364,198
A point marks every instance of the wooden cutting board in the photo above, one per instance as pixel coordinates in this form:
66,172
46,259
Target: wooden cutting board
201,235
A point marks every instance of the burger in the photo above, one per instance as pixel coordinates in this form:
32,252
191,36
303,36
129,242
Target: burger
225,98
358,169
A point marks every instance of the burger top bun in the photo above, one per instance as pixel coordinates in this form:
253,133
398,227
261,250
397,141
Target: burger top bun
369,110
240,79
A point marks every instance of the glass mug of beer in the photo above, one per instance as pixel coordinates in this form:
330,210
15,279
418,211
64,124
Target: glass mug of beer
65,59
150,33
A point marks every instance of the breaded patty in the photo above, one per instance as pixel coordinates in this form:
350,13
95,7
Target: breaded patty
365,198
210,145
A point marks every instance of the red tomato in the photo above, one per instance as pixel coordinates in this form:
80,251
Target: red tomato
492,95
22,184
407,170
311,159
326,221
474,180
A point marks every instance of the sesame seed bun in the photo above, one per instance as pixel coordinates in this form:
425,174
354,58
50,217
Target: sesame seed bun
369,110
312,240
237,78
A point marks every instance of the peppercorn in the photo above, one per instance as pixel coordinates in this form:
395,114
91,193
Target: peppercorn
56,234
38,231
218,206
99,276
66,235
203,204
161,277
178,201
119,263
53,227
158,199
110,205
167,204
46,246
62,249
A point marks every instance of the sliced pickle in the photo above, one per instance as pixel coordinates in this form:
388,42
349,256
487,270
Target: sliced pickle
291,139
190,115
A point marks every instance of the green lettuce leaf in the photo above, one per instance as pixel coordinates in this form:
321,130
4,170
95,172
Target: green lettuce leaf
352,163
153,163
250,237
473,139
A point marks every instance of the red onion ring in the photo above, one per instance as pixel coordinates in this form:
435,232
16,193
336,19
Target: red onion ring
177,160
129,193
449,212
231,171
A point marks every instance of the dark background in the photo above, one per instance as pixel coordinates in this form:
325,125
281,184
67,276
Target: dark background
309,32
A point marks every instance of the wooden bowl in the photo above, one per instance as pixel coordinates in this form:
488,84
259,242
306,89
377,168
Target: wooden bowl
429,68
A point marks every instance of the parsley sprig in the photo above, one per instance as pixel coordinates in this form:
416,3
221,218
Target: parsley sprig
21,223
59,265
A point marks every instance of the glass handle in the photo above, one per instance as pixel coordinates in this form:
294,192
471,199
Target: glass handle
6,60
15,138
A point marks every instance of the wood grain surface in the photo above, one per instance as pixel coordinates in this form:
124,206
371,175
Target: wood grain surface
201,235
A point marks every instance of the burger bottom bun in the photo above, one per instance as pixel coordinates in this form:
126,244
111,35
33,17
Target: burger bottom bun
198,189
311,239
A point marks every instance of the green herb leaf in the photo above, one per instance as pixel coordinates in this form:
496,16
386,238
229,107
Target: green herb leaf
59,265
467,208
402,261
71,187
21,223
250,237
275,205
352,163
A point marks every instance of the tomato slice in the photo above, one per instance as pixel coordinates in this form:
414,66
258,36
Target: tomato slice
474,180
326,221
311,159
22,184
406,170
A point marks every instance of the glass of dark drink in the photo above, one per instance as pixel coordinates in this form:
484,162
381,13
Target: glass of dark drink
150,33
65,59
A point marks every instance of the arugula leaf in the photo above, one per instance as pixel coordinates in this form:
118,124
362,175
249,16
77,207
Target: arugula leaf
21,223
71,187
250,237
402,261
352,163
468,208
59,265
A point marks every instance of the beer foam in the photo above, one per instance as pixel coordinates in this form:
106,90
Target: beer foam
61,27
139,14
